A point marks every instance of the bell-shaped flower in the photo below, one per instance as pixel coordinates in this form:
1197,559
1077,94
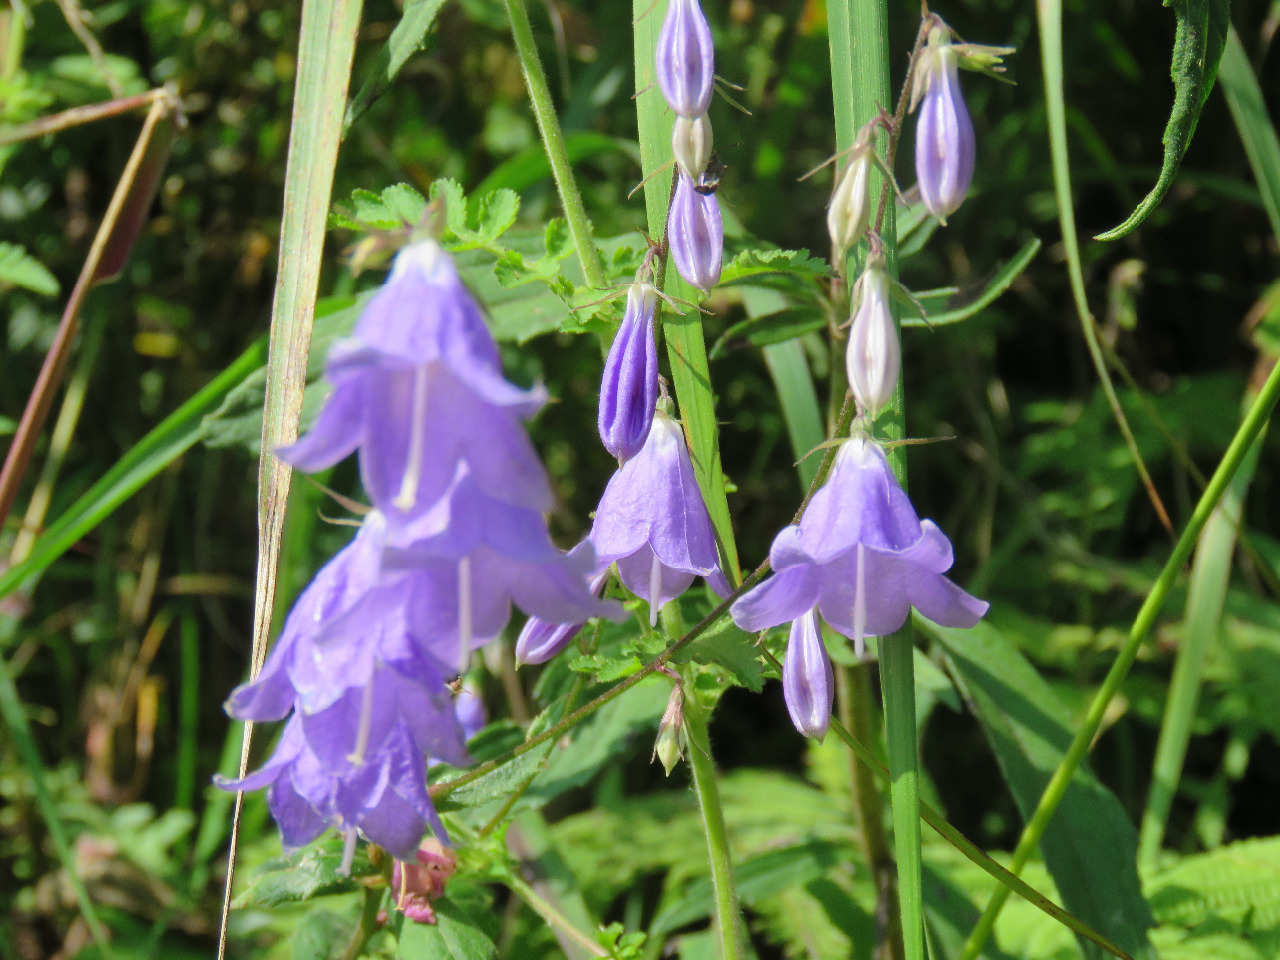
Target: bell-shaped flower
653,523
685,58
540,640
417,387
629,389
808,683
862,556
691,142
874,355
944,133
695,234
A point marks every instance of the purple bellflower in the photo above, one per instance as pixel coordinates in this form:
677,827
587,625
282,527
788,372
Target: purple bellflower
417,387
685,58
808,683
944,133
629,389
695,234
653,524
860,555
540,640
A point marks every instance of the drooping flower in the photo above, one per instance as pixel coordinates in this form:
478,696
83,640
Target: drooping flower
808,683
540,640
653,523
418,387
695,233
685,58
874,355
945,145
629,389
862,556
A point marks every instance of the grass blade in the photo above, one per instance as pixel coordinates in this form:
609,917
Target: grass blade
1249,111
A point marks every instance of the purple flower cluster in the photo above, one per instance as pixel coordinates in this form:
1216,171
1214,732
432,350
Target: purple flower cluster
456,535
860,557
685,59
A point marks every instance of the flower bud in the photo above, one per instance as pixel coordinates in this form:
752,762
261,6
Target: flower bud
944,133
849,216
695,234
691,143
629,389
874,355
808,684
685,58
539,639
668,748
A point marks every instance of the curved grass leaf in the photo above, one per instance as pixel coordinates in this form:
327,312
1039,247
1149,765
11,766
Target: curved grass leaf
1197,48
1090,847
1249,111
406,39
957,306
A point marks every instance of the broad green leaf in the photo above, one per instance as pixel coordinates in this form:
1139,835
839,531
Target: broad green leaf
497,784
1197,48
321,935
962,304
406,39
303,875
456,935
19,269
1090,846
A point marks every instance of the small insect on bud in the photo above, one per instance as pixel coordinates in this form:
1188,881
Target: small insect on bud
695,234
691,143
685,58
629,388
669,747
808,684
849,216
944,134
874,355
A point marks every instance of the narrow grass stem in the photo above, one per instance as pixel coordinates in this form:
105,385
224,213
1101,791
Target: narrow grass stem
367,925
897,684
1239,447
544,112
554,917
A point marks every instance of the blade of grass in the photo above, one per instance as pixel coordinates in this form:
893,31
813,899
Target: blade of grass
1049,14
1232,459
686,347
326,47
1253,122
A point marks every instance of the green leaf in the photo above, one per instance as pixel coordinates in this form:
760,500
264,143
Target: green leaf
496,213
1253,122
530,165
497,784
1239,882
19,269
1197,48
456,935
956,306
304,875
406,39
322,935
761,876
777,327
1090,846
729,647
757,263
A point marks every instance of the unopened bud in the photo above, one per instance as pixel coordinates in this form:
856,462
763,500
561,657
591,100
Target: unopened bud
685,58
691,142
849,216
668,748
629,388
695,234
808,683
944,133
874,355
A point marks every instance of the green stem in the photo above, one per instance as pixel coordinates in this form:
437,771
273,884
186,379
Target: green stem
367,925
1210,573
728,915
1240,445
554,917
897,684
544,111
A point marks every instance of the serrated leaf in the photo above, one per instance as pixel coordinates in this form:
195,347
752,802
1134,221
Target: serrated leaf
309,873
755,263
497,784
777,327
955,306
1090,846
557,239
19,269
406,39
404,203
496,213
456,935
1199,40
450,192
1239,882
728,646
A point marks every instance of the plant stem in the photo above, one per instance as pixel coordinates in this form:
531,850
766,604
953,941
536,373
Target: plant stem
1235,455
554,917
857,714
367,925
544,112
728,914
897,684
